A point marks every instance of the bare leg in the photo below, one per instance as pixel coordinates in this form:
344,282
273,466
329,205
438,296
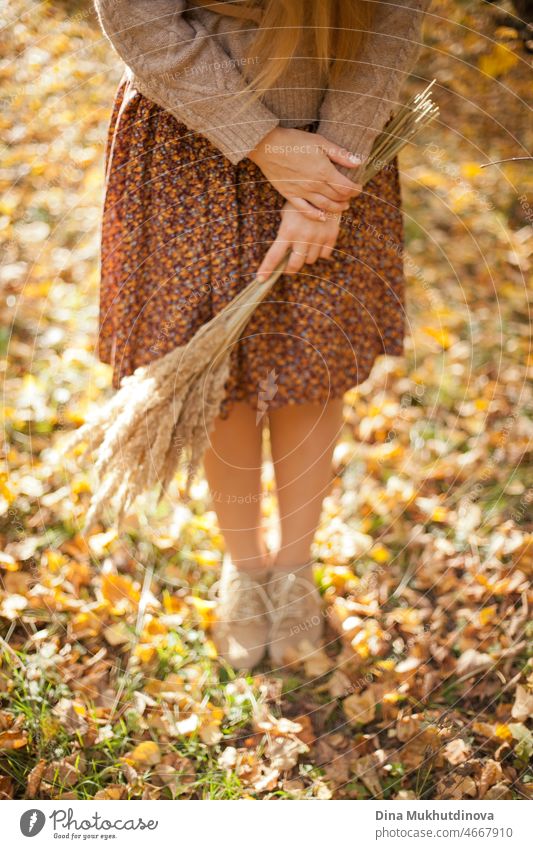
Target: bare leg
233,470
303,437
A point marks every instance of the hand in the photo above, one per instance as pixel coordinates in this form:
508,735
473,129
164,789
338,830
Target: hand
300,167
308,241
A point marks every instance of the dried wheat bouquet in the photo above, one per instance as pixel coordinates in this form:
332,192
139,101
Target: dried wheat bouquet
166,410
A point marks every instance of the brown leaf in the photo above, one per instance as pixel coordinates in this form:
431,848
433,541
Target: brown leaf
365,769
360,708
65,772
457,787
7,788
339,684
119,589
112,791
499,791
210,734
71,715
408,726
491,773
13,739
34,779
307,733
316,662
424,745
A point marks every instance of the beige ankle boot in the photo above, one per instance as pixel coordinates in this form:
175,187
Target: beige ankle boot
241,630
296,617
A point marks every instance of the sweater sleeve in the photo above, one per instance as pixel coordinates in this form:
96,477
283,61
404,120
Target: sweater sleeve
353,113
179,65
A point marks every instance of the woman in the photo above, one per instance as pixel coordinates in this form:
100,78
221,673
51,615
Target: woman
237,133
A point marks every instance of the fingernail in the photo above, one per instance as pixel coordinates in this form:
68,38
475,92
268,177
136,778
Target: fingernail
355,158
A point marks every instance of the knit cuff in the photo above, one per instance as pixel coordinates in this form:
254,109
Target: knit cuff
238,140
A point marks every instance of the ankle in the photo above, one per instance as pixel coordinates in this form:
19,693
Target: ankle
301,569
257,570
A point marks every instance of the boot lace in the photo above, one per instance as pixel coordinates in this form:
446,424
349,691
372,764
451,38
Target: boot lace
240,598
289,600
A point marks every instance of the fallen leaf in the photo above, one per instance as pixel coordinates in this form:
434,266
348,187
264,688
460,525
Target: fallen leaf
13,739
360,708
119,588
34,779
472,661
112,791
499,791
457,751
65,772
283,752
491,773
71,716
145,755
523,704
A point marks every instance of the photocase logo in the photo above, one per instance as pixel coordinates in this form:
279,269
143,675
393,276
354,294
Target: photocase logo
32,822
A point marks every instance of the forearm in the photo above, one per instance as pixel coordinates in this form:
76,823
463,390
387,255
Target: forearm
356,110
181,66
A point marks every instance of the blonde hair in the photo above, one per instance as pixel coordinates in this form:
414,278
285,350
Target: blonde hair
339,28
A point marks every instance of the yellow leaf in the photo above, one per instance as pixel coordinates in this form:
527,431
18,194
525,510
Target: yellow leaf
487,614
87,624
205,610
145,652
145,754
54,559
471,169
440,335
117,588
503,732
499,60
380,553
210,649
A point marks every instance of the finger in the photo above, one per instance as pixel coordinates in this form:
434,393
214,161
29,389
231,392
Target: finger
275,254
333,206
326,250
297,258
326,187
313,253
307,209
341,156
346,190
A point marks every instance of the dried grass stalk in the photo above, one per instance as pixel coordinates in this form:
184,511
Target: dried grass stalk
166,410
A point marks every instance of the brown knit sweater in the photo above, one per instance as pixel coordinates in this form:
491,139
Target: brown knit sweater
191,60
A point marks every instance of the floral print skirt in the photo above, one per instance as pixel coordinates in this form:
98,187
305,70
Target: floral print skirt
183,230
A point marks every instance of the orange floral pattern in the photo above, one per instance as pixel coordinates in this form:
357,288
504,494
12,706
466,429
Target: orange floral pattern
183,230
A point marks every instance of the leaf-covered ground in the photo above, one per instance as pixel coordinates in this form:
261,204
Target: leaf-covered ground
109,683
